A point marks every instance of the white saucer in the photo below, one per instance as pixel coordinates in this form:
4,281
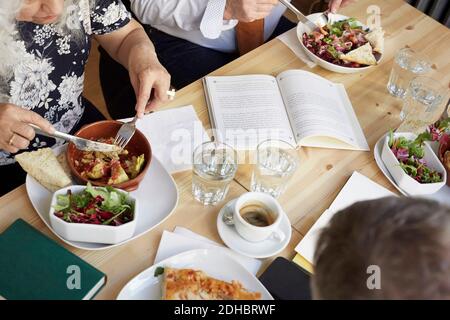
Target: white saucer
263,249
442,196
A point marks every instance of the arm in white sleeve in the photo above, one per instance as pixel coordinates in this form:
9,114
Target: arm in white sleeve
187,15
212,23
183,14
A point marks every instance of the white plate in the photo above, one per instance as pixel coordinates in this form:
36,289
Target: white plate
145,286
157,194
323,63
443,195
259,250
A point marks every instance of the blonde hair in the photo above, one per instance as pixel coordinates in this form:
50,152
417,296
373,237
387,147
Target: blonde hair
11,43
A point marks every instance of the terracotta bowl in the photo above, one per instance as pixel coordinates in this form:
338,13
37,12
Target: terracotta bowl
107,129
444,145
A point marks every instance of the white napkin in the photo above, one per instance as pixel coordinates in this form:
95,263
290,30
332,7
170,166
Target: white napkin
181,240
173,135
357,188
289,38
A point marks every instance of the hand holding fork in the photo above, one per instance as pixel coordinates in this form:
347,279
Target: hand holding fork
128,129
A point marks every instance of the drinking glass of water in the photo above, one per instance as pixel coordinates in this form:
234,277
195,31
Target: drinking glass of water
214,166
407,65
276,162
423,98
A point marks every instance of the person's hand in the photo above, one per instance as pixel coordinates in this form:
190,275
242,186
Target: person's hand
248,10
335,5
150,81
15,131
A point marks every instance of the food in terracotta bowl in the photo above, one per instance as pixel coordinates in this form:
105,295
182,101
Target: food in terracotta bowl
123,170
444,153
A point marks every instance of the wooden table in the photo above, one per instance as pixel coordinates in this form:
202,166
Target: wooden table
322,172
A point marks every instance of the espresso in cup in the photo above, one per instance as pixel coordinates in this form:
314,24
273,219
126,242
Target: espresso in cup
257,217
257,214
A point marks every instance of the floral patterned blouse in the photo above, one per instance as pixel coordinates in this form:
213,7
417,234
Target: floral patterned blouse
49,77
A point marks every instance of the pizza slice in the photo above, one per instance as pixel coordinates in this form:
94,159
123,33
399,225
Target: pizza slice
189,284
362,55
45,168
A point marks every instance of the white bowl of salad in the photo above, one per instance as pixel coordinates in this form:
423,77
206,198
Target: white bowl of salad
93,214
345,45
414,166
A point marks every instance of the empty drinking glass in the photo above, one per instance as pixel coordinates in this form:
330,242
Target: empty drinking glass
276,162
423,98
214,166
407,65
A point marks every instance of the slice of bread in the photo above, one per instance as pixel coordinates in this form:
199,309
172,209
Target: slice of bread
62,159
45,168
361,55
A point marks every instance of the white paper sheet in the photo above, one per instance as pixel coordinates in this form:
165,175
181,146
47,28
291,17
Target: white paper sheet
174,243
190,234
357,188
289,38
173,135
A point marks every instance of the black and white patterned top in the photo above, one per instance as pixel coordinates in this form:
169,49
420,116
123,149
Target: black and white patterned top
49,76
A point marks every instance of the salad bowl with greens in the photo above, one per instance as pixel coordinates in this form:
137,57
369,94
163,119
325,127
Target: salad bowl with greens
412,163
93,214
329,45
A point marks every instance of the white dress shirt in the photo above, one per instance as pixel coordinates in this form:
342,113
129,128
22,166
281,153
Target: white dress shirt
198,21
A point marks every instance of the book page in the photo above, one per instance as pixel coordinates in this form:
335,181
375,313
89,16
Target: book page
319,113
246,110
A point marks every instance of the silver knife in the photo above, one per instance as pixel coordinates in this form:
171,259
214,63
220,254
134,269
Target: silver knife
80,143
323,20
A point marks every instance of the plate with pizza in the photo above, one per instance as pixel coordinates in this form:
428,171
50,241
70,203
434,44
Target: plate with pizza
201,274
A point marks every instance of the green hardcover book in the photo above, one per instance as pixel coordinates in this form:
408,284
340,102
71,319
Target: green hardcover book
32,266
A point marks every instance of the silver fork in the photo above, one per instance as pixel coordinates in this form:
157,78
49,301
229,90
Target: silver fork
322,20
128,129
125,133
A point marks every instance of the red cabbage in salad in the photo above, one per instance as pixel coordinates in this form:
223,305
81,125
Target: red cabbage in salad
103,206
330,41
410,153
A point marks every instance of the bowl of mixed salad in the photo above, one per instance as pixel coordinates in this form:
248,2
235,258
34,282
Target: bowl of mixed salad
343,45
93,214
415,167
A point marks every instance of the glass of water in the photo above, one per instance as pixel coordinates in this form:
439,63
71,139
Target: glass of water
276,162
423,98
214,166
407,65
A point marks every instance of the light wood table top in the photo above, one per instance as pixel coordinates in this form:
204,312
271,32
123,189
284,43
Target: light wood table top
322,172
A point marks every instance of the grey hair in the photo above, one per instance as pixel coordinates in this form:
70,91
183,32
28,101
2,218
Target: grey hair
11,43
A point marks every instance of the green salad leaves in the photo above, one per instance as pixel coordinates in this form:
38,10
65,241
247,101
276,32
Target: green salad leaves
100,205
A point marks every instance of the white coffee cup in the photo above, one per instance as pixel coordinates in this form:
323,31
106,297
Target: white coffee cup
254,233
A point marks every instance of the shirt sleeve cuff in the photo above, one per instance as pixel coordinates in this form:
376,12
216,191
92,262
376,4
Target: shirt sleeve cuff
212,23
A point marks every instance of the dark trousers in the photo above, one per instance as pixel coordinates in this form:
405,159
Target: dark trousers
185,61
12,176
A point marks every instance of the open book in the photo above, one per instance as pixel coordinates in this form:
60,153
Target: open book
297,106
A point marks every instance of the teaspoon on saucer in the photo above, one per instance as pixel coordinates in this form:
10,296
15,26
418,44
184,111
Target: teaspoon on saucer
227,217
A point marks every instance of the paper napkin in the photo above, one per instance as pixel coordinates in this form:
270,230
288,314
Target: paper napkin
289,38
181,240
173,135
357,188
